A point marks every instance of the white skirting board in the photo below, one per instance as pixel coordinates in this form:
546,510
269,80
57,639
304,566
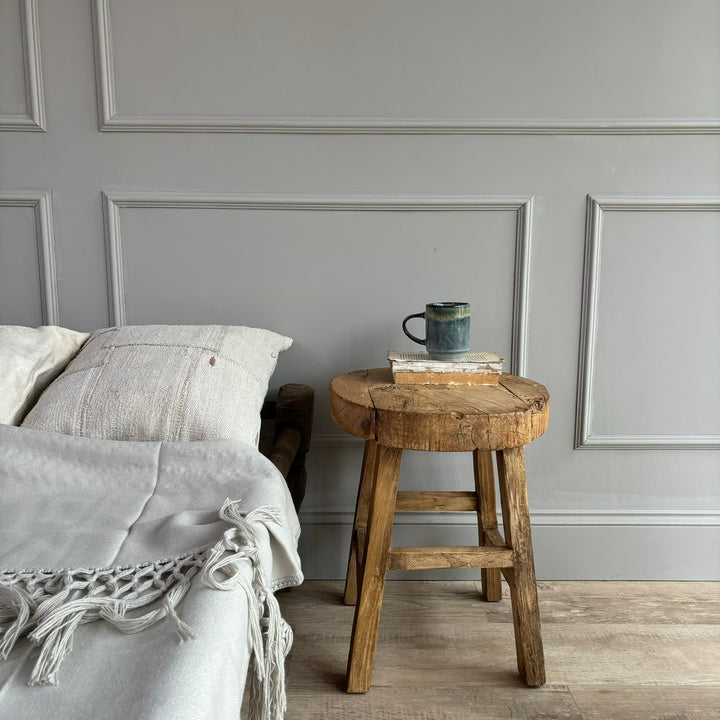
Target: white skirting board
637,547
649,538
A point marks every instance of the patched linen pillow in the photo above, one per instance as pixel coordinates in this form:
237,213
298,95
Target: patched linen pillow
30,358
164,382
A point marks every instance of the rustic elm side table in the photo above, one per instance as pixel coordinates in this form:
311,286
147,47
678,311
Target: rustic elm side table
481,419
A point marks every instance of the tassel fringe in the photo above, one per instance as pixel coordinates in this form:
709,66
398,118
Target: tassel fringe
48,606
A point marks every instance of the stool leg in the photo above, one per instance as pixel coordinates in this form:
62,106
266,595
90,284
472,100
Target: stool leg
521,578
487,519
367,482
372,573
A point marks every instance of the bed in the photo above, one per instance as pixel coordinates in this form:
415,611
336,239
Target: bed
148,496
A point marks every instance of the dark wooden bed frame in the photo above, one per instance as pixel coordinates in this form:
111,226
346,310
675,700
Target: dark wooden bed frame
285,434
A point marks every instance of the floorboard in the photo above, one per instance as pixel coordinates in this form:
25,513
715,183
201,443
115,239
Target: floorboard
613,650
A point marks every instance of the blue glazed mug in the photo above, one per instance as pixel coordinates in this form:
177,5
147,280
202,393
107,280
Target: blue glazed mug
447,330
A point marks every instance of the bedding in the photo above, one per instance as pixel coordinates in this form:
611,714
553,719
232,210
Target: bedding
117,532
163,382
30,359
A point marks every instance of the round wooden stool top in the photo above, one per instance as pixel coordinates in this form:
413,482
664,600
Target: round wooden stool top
441,418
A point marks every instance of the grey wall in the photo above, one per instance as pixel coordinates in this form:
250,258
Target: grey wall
325,168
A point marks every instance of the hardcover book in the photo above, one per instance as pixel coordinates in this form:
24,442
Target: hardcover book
480,368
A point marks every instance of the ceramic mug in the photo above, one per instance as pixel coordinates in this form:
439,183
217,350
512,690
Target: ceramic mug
447,330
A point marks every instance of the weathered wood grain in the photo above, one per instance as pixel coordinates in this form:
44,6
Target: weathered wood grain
368,474
285,435
284,451
458,661
373,570
523,588
436,702
368,404
484,475
394,417
429,558
436,501
350,404
653,702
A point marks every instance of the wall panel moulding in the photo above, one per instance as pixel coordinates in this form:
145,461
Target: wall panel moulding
115,201
588,392
33,119
41,203
114,119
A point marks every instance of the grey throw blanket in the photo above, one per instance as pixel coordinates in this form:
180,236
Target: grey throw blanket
119,531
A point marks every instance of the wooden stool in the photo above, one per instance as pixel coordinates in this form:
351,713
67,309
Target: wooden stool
441,418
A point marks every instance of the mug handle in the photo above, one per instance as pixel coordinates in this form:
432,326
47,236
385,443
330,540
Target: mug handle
408,333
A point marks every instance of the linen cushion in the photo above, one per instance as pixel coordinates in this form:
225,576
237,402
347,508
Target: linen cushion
164,382
30,358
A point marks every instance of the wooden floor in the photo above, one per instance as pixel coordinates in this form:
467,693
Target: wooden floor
613,651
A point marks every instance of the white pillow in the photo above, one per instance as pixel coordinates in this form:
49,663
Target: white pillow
164,382
30,358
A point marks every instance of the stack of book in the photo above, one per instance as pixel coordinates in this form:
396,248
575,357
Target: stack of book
482,368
